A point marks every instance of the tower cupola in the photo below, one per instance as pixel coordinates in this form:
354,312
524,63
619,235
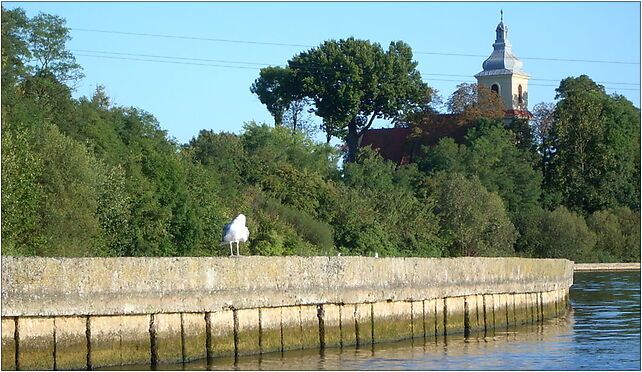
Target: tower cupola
502,72
502,59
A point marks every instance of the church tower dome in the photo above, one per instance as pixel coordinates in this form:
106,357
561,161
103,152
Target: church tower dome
503,73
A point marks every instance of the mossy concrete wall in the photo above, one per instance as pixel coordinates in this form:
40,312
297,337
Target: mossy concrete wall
76,313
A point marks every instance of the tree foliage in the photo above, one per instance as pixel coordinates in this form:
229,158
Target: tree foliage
475,101
491,154
617,234
349,82
274,87
594,161
558,234
473,219
84,177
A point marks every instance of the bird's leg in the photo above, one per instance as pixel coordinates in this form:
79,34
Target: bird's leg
231,251
237,248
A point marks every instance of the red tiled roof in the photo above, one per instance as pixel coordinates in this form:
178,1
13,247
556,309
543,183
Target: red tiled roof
390,142
439,126
400,144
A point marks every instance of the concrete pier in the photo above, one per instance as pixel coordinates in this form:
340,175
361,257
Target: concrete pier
79,313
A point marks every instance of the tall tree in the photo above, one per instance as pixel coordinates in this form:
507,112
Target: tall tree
595,141
47,39
15,53
14,48
274,89
351,82
502,165
543,117
37,65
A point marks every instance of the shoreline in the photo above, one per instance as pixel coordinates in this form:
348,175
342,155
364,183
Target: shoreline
629,266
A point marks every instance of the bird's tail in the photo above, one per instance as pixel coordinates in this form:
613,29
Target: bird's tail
222,243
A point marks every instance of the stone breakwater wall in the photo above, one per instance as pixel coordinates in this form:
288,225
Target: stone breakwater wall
83,313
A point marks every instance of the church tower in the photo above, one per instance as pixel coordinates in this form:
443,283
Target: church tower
502,72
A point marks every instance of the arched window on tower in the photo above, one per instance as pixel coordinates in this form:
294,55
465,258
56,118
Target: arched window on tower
495,88
520,97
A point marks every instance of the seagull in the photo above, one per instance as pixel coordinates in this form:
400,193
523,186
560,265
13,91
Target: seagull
235,231
376,255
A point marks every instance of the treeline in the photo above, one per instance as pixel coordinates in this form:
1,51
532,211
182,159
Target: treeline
83,177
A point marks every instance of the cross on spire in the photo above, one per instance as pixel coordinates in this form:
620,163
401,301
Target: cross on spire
501,15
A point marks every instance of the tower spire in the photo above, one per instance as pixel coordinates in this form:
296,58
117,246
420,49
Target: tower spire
502,73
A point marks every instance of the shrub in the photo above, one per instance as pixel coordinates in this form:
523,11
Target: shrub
472,219
315,232
617,233
557,234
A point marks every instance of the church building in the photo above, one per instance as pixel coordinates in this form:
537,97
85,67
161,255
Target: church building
501,72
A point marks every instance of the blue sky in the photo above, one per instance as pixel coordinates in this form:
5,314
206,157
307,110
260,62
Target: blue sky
186,98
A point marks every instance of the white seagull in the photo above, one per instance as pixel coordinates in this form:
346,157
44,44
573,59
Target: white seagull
235,231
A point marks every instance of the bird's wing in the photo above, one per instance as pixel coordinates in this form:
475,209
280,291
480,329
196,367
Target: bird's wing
245,233
226,229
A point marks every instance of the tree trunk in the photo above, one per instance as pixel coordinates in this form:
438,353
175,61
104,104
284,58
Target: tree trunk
294,121
352,140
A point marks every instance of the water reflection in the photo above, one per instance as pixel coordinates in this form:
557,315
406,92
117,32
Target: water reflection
518,347
600,332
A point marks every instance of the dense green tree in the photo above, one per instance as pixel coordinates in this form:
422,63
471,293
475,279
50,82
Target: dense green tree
618,234
473,219
47,36
492,155
224,154
524,138
351,82
502,166
557,234
595,141
68,181
204,196
302,190
14,53
275,89
114,210
388,211
100,127
317,234
23,197
36,64
446,156
272,147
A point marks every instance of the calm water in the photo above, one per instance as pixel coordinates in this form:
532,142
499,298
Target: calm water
600,332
